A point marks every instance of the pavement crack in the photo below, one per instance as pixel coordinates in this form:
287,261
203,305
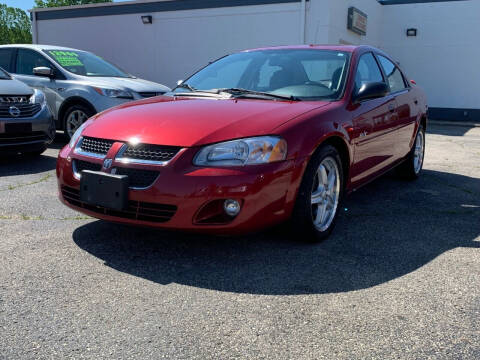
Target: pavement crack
42,179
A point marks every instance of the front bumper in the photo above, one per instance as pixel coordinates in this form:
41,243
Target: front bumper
42,134
266,192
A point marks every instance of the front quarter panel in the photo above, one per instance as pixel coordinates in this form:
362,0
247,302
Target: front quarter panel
305,133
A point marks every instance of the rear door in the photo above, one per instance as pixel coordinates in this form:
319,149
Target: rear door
373,122
7,59
406,117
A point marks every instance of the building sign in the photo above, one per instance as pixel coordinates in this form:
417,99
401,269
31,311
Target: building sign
357,21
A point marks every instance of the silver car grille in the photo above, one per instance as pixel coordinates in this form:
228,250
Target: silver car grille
20,99
21,110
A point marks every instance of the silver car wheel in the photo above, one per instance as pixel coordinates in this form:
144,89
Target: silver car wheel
74,120
418,152
325,194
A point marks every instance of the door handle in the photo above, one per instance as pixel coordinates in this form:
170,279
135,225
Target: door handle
391,108
415,101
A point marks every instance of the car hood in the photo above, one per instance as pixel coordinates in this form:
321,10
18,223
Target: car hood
14,87
189,122
135,84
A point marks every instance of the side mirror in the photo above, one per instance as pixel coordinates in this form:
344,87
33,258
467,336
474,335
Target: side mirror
371,90
43,71
179,82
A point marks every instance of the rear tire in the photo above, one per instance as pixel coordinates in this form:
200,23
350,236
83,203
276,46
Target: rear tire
411,168
74,117
319,196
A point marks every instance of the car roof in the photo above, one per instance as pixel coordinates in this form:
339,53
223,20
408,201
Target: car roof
345,48
38,47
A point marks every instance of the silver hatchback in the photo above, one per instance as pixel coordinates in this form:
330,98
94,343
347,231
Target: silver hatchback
77,84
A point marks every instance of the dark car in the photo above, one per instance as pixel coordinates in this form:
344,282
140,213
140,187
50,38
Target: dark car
26,123
251,140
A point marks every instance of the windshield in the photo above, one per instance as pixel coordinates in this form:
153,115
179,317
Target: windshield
86,64
4,75
298,73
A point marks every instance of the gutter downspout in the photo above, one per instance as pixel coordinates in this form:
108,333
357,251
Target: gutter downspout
303,15
33,15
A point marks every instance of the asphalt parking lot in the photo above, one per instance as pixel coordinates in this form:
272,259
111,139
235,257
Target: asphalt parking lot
398,279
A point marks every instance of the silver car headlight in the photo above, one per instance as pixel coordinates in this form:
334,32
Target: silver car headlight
38,97
114,93
248,151
76,135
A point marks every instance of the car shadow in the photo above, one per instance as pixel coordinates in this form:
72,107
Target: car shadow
26,164
12,165
386,230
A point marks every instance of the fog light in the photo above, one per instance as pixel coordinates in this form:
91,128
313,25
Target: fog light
231,207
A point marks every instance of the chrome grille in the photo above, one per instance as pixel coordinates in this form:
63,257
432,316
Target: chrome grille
95,145
15,99
147,152
25,110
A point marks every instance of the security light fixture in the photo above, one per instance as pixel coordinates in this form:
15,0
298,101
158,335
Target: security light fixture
147,19
412,32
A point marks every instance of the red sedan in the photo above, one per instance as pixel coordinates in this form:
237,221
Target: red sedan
251,140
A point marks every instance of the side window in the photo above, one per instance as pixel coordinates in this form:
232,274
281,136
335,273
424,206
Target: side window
6,58
27,60
367,71
394,76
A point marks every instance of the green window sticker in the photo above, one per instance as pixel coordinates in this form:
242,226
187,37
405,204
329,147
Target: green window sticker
66,58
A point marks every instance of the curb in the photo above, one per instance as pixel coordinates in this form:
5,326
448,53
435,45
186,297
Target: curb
453,123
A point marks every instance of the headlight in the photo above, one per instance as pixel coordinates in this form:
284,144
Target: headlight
114,93
76,135
249,151
38,97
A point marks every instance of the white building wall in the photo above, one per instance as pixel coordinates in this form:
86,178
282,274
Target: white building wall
177,43
337,27
443,57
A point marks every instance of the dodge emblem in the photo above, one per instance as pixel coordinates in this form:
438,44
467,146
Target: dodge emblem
107,163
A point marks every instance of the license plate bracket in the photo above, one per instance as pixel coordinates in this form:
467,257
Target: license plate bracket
106,190
18,128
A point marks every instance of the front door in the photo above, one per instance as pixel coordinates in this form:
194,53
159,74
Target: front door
373,126
26,61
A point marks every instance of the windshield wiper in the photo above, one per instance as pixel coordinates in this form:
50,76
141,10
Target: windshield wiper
185,86
240,91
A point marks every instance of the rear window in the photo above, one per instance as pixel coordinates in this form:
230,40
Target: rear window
6,58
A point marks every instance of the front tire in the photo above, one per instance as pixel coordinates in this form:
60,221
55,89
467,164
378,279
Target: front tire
319,196
74,117
411,168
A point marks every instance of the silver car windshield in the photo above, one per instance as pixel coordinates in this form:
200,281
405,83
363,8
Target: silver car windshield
302,74
85,64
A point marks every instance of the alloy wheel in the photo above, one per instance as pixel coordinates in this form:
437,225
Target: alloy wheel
418,152
74,120
325,194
